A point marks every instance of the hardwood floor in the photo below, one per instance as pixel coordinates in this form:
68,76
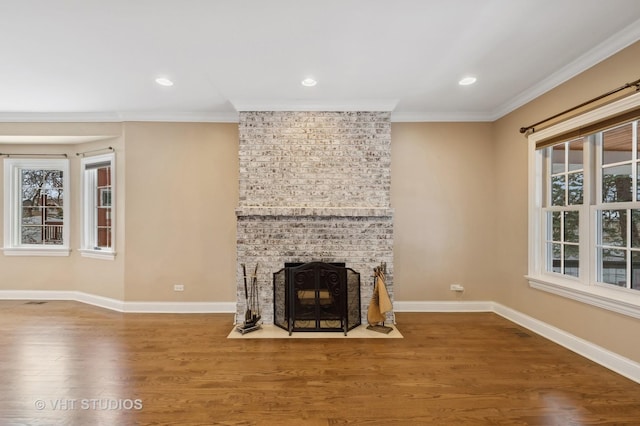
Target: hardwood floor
66,363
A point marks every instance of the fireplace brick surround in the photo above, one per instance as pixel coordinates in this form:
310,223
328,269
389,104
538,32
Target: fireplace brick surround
314,186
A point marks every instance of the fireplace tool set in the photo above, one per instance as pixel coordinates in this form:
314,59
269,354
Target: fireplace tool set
380,302
252,313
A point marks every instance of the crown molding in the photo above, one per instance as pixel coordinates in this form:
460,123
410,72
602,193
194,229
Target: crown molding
418,117
117,117
59,139
599,53
181,117
59,117
354,105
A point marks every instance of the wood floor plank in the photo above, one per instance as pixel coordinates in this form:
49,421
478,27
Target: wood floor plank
70,363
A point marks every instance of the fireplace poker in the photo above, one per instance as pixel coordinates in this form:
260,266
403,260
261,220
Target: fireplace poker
247,313
255,313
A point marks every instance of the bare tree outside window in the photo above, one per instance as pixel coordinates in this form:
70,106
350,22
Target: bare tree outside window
42,206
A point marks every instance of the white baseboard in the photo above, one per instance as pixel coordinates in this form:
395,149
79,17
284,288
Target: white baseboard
37,295
611,360
181,307
122,306
444,306
100,301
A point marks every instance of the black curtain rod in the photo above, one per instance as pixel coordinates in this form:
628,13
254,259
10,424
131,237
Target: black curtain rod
109,148
32,155
597,98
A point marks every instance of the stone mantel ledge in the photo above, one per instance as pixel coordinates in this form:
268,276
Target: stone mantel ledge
315,211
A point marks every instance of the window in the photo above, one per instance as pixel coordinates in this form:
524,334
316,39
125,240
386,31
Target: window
36,207
98,204
584,218
564,184
617,243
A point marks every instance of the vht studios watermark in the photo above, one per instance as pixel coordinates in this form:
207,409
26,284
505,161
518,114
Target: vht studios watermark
65,404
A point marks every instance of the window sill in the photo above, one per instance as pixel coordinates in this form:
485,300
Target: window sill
98,254
615,300
36,251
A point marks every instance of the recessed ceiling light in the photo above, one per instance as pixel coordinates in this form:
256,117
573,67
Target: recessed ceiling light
309,82
467,81
163,81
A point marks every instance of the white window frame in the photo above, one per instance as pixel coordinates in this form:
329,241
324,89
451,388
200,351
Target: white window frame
88,189
13,245
585,288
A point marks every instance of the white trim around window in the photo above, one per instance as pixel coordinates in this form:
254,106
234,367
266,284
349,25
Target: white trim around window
48,235
98,205
584,288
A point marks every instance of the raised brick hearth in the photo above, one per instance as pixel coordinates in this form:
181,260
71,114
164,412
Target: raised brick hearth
314,186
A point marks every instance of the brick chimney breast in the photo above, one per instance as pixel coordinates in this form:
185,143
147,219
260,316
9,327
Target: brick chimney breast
314,186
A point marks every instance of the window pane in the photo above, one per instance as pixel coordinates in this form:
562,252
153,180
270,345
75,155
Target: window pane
54,177
52,233
104,227
637,124
104,197
571,226
104,176
104,237
616,183
52,197
617,144
571,260
635,228
614,266
614,228
635,270
638,182
555,225
53,214
31,216
576,149
558,186
31,235
554,251
575,188
558,158
30,195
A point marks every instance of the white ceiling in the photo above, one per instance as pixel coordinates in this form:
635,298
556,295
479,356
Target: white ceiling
96,60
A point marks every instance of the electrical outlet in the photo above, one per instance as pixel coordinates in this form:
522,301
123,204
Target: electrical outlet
456,287
178,287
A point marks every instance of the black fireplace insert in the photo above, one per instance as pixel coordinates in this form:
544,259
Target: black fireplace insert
316,296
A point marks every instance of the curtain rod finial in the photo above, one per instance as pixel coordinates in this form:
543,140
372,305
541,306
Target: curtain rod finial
527,130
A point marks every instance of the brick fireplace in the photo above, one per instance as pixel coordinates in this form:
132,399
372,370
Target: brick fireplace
314,186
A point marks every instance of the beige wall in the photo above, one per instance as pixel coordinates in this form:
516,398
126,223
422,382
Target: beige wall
181,196
618,333
442,191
